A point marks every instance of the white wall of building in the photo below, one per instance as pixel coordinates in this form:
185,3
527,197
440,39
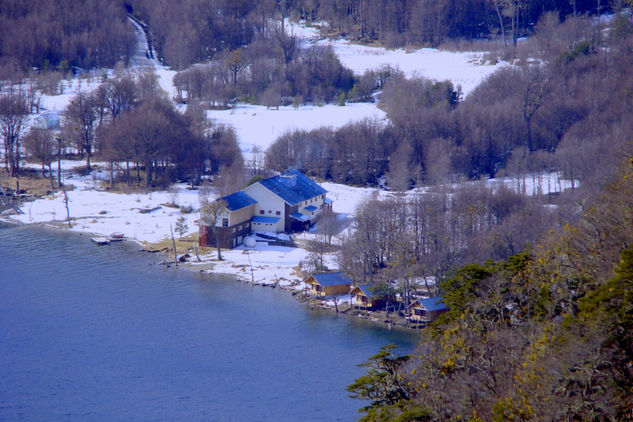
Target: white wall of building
269,203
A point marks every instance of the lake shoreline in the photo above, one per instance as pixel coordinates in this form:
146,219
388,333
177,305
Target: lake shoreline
291,284
104,333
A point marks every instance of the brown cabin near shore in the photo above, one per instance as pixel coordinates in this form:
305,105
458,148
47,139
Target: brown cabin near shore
363,297
328,284
427,310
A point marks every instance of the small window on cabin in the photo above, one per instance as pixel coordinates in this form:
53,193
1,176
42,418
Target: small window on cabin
261,211
277,212
269,211
225,222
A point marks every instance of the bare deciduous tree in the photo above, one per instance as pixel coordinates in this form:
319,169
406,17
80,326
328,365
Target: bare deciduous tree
211,214
13,113
40,144
81,117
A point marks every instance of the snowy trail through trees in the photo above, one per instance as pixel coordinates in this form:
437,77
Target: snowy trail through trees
144,57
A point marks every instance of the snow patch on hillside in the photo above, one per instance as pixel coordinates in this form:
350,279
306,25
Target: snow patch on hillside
259,126
467,69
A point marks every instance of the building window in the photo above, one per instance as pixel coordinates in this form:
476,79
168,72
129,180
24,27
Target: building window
269,211
277,212
233,230
225,222
261,211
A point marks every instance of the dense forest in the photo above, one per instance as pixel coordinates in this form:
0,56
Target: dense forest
90,33
539,287
129,122
63,34
543,335
555,110
187,32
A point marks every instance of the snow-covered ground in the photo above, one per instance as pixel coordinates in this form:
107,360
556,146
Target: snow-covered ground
255,125
95,210
258,126
467,69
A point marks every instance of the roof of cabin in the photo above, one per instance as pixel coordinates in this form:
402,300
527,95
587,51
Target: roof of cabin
433,303
263,219
367,290
293,187
238,200
331,279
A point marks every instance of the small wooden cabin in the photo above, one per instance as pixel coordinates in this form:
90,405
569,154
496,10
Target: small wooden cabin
364,297
329,284
428,309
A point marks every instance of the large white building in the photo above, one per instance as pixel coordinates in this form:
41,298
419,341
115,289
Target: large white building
284,203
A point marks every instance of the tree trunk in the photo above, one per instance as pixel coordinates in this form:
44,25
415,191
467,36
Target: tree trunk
50,176
217,243
148,174
67,208
173,241
501,25
59,162
529,134
88,160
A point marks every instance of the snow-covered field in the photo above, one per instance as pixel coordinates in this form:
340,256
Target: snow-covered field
95,210
255,125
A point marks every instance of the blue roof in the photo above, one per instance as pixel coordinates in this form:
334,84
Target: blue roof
332,279
293,187
310,208
367,290
299,216
262,219
238,200
433,303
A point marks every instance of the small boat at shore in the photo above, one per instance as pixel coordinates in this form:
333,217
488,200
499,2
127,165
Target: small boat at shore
116,237
100,240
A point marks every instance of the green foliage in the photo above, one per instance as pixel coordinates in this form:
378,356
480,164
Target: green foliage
583,48
341,99
186,209
384,384
610,307
181,226
400,412
254,179
544,335
459,290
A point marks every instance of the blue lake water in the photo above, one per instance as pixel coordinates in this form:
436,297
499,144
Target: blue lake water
104,333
